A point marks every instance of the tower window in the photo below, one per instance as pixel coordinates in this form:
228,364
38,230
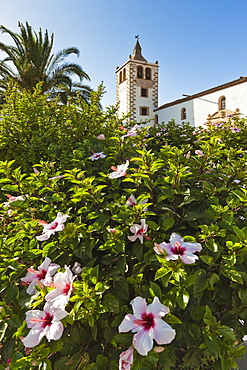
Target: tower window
156,119
144,92
183,113
124,74
144,111
139,72
148,74
120,77
222,103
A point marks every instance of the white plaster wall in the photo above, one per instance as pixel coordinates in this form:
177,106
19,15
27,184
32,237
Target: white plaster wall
198,109
174,112
123,108
144,102
236,97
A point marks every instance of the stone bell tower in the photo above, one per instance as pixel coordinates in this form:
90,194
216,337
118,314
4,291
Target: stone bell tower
137,86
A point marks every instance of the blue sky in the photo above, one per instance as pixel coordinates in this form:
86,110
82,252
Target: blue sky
199,43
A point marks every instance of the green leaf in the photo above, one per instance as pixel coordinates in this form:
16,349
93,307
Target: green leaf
240,233
208,316
232,274
191,216
155,290
209,260
161,272
182,298
171,319
227,333
168,223
111,303
3,330
197,312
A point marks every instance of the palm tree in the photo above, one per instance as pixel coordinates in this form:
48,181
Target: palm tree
34,62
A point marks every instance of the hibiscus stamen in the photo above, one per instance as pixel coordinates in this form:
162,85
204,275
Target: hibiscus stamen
141,231
46,320
53,225
147,321
178,249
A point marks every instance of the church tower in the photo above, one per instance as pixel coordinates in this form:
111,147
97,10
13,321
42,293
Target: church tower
137,86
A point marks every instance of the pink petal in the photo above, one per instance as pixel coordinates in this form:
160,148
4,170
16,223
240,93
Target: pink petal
33,338
53,294
132,238
189,258
157,308
44,265
54,331
30,276
139,305
58,314
31,290
192,247
61,218
127,324
166,246
140,238
176,238
134,228
58,299
163,333
36,314
143,341
43,237
173,257
52,269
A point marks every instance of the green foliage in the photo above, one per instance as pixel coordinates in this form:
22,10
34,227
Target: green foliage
196,196
34,128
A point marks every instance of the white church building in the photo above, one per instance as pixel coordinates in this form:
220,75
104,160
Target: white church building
137,92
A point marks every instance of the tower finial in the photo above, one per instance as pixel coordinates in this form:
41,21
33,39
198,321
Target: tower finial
137,52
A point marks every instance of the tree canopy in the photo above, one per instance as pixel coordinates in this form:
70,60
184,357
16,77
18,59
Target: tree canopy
31,60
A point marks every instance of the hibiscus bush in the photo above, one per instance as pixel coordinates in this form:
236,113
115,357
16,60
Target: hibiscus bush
130,258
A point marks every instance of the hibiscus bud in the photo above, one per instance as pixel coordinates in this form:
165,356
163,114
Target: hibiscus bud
199,152
111,230
35,170
101,137
188,155
158,249
159,349
40,284
76,268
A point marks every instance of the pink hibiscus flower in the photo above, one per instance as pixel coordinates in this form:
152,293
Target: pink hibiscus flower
97,156
44,274
131,201
132,132
62,283
177,248
101,137
11,199
126,359
119,171
44,324
139,231
199,152
147,324
53,227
